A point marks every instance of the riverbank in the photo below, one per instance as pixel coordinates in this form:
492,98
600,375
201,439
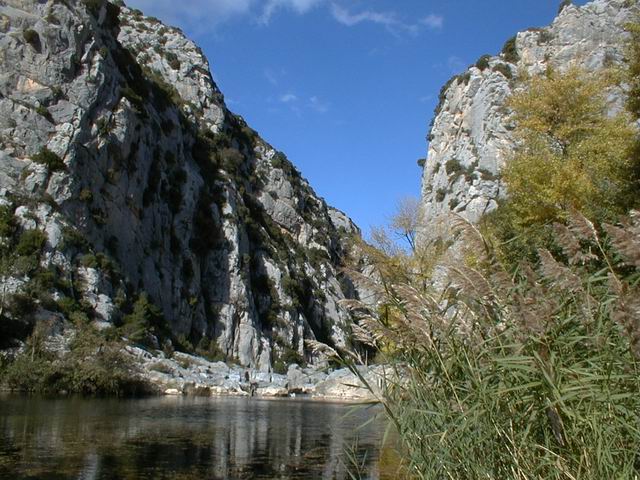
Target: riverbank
185,374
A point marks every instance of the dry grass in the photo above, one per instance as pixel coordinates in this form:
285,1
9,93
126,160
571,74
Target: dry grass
519,375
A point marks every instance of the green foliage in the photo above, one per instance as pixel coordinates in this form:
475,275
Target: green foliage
172,60
504,69
7,221
455,169
536,373
510,51
483,62
633,69
50,159
572,155
564,4
31,242
144,322
134,98
441,193
209,349
93,6
288,357
43,112
31,37
94,366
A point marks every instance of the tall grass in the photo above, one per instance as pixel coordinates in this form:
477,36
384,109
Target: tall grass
531,374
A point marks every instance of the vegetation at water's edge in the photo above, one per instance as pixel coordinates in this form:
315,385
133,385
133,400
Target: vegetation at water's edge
520,357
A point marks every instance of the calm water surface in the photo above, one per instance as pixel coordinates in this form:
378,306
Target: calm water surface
185,438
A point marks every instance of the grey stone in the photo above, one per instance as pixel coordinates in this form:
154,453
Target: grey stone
211,245
472,126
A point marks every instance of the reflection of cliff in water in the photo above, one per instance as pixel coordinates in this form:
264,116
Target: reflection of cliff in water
182,438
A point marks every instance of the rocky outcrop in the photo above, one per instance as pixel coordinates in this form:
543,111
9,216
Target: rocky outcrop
184,374
470,137
116,142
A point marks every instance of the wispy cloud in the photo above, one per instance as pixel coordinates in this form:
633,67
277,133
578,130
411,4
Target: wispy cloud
206,15
318,105
298,104
299,6
342,15
433,21
195,14
288,98
274,75
388,19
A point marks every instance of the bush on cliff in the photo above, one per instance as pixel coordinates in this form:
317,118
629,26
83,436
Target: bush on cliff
571,154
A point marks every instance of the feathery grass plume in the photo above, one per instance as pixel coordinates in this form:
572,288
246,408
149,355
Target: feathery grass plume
626,313
559,275
626,240
517,376
582,227
474,241
571,247
322,349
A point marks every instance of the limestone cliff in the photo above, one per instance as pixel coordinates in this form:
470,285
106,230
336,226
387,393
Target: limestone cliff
470,137
116,142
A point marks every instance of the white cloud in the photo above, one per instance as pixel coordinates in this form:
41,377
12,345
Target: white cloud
288,98
342,15
318,105
299,6
205,15
433,21
389,20
196,14
271,76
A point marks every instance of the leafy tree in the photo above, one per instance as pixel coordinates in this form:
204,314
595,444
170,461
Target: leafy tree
145,320
406,220
572,155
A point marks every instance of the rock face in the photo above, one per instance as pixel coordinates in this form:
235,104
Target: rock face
116,142
185,374
470,138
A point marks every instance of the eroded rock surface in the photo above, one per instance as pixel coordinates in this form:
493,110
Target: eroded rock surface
470,138
150,184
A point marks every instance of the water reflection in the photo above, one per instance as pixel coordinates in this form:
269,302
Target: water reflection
183,438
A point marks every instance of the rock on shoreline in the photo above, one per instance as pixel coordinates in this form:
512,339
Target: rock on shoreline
185,374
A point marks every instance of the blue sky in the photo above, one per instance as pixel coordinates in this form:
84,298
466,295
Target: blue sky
346,88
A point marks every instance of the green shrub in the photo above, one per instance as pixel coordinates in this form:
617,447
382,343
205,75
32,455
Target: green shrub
7,221
93,6
564,4
210,350
483,62
143,322
572,153
50,159
31,242
633,69
31,37
504,69
93,366
172,60
510,51
441,193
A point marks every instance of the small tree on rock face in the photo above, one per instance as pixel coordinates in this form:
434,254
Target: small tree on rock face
572,153
406,220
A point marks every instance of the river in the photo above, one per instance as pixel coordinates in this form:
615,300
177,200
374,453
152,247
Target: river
187,438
